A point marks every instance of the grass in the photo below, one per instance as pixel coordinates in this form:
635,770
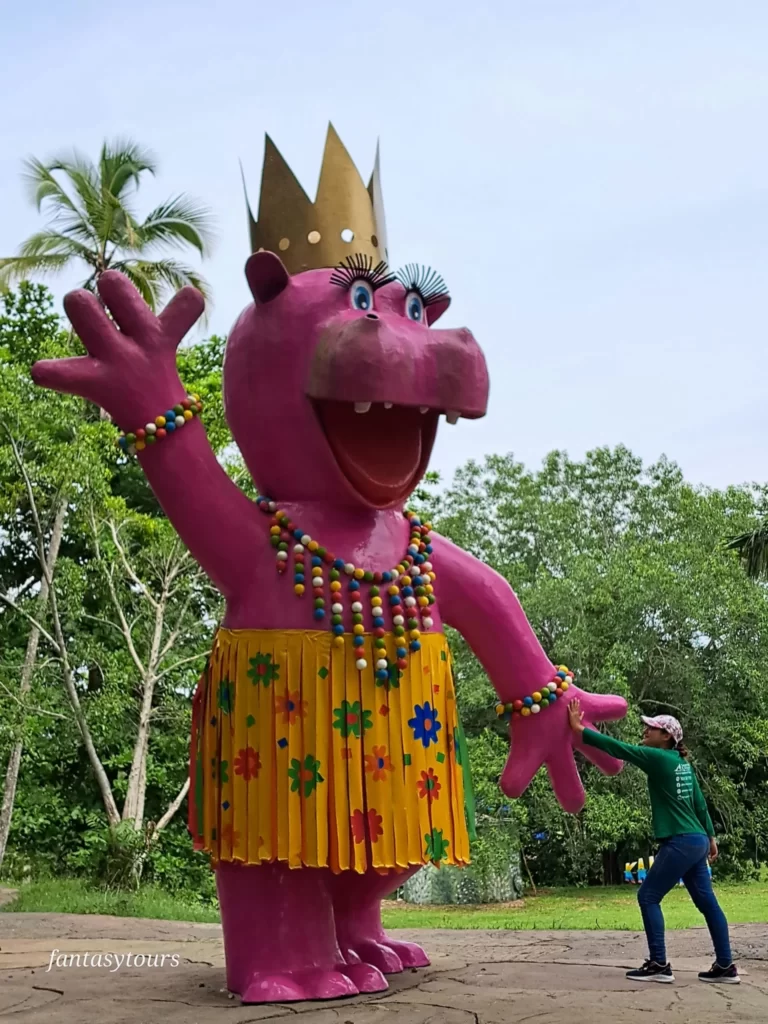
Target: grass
75,896
590,909
613,909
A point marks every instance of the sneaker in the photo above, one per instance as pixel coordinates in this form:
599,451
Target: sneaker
721,975
651,971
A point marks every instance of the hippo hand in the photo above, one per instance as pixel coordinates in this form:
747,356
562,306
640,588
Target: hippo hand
547,739
130,370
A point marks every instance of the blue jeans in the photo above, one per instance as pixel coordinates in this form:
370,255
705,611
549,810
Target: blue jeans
682,857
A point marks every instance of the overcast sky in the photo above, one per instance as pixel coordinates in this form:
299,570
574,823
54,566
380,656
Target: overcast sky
589,176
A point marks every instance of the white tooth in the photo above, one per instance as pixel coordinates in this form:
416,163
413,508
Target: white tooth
388,405
452,417
362,406
423,409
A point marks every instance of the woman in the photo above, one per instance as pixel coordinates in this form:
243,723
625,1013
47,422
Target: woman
683,827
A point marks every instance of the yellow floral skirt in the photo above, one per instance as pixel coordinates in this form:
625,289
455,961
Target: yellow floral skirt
299,757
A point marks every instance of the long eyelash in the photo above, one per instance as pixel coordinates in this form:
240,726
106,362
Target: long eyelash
425,281
360,267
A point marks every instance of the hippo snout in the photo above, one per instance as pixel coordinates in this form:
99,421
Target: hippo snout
371,360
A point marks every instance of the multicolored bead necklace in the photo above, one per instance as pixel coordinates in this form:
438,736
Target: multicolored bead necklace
409,586
541,699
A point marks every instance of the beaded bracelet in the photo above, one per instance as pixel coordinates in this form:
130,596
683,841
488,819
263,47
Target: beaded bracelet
171,420
541,699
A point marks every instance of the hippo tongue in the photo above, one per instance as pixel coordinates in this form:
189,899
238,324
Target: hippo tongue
382,452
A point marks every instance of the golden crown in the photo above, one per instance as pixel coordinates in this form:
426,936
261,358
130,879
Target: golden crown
346,217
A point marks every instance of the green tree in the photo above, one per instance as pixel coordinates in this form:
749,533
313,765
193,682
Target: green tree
93,222
622,573
119,612
45,447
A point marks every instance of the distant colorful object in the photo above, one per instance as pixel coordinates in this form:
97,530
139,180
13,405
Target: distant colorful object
637,878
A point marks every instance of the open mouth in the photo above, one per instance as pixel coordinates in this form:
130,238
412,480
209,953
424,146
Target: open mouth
383,449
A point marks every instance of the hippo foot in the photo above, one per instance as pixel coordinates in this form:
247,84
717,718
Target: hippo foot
410,954
297,986
389,956
366,977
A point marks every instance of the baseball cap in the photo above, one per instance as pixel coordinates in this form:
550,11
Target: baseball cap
668,724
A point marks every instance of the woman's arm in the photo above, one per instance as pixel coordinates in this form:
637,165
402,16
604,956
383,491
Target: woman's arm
642,757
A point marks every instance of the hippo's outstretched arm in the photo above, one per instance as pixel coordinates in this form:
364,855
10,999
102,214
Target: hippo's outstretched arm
131,372
482,606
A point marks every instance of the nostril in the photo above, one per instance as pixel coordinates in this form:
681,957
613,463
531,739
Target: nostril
371,316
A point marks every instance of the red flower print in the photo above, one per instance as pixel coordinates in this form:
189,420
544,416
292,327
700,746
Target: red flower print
248,764
228,835
357,821
379,763
291,707
429,786
375,821
369,823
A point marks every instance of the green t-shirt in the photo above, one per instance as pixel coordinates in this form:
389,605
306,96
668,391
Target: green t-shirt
677,803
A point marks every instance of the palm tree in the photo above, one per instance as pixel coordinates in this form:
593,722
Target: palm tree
93,222
753,551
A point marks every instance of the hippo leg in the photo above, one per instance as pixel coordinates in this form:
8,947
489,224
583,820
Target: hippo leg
280,937
361,937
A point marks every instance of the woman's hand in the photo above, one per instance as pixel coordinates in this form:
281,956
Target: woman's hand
576,716
714,853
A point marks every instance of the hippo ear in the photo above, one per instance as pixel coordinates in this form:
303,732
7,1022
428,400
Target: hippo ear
436,309
266,276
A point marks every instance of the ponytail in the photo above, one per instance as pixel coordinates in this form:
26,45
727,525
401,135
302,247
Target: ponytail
682,750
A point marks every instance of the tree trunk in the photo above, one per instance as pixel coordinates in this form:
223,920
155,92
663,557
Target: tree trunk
133,805
27,671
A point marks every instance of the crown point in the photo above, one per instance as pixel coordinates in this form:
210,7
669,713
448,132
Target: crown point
312,236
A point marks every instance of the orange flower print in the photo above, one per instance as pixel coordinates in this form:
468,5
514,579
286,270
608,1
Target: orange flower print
369,823
379,763
248,764
291,707
429,786
228,835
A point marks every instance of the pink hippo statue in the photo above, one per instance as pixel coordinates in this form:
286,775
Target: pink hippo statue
327,760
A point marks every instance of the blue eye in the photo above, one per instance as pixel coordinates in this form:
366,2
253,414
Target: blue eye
361,296
414,307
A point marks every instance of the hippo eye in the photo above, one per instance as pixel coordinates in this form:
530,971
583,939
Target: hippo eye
361,295
414,307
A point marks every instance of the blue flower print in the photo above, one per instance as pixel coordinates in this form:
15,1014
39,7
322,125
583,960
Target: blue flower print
425,725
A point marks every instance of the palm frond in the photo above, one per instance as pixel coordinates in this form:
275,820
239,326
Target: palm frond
18,268
146,283
161,277
178,222
41,185
44,187
125,231
752,548
123,161
76,227
88,202
56,243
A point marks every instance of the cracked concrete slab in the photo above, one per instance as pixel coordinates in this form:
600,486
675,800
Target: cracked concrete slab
475,978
